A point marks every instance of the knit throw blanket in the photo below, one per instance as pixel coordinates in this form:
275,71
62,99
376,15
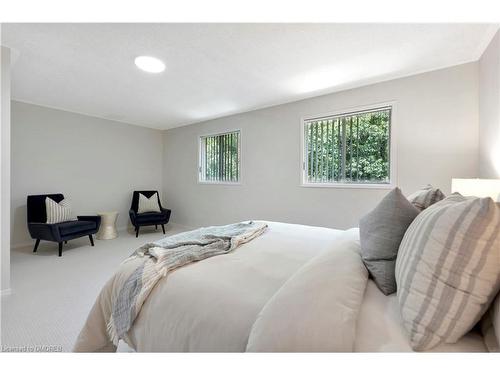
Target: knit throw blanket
164,256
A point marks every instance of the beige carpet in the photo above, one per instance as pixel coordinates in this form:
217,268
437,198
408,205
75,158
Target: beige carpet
51,296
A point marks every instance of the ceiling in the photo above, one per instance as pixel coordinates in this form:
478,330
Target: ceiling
214,70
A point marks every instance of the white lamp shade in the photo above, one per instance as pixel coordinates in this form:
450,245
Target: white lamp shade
476,187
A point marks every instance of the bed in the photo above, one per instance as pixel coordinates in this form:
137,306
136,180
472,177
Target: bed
295,288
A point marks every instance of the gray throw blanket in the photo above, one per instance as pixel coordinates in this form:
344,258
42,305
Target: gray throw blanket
166,255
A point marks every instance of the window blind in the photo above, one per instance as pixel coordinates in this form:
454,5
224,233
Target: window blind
220,157
348,148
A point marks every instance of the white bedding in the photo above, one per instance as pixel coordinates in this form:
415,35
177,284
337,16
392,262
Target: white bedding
212,305
295,288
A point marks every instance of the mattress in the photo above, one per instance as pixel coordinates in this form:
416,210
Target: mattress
379,327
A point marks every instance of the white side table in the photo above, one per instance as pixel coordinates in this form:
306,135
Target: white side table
107,230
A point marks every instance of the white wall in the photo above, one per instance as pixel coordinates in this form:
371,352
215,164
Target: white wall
436,122
96,163
489,110
5,169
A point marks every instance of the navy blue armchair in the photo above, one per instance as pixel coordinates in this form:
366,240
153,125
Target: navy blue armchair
148,218
59,232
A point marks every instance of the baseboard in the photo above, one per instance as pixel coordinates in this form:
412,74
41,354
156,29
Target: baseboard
119,229
23,244
5,292
187,227
131,229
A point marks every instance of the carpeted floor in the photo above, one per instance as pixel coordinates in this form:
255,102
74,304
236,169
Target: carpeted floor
51,296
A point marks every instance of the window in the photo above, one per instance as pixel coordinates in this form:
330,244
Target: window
220,158
350,148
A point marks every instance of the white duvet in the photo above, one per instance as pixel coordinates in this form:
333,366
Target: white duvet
294,289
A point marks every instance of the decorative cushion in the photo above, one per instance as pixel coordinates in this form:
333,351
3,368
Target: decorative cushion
381,232
148,204
57,212
447,270
426,197
76,226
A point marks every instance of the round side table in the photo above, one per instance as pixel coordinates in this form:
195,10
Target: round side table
107,230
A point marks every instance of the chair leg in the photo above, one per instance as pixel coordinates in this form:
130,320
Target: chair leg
36,245
136,231
91,240
60,248
156,226
163,227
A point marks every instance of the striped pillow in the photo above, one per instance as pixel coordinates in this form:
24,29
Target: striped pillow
57,212
148,204
448,269
425,197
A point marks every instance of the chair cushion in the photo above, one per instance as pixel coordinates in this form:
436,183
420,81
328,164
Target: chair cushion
150,217
75,226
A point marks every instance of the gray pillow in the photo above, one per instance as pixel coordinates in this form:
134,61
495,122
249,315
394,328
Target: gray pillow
425,197
381,232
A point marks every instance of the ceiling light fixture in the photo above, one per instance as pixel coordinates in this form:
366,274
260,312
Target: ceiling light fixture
149,64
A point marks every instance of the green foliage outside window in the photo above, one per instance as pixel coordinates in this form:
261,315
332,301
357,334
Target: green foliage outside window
352,148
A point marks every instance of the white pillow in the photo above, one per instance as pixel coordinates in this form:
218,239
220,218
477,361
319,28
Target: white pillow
57,212
148,204
447,269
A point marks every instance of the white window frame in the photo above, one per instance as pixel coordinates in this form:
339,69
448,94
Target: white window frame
343,185
200,158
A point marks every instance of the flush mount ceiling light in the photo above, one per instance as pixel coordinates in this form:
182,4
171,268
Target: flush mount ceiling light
149,64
